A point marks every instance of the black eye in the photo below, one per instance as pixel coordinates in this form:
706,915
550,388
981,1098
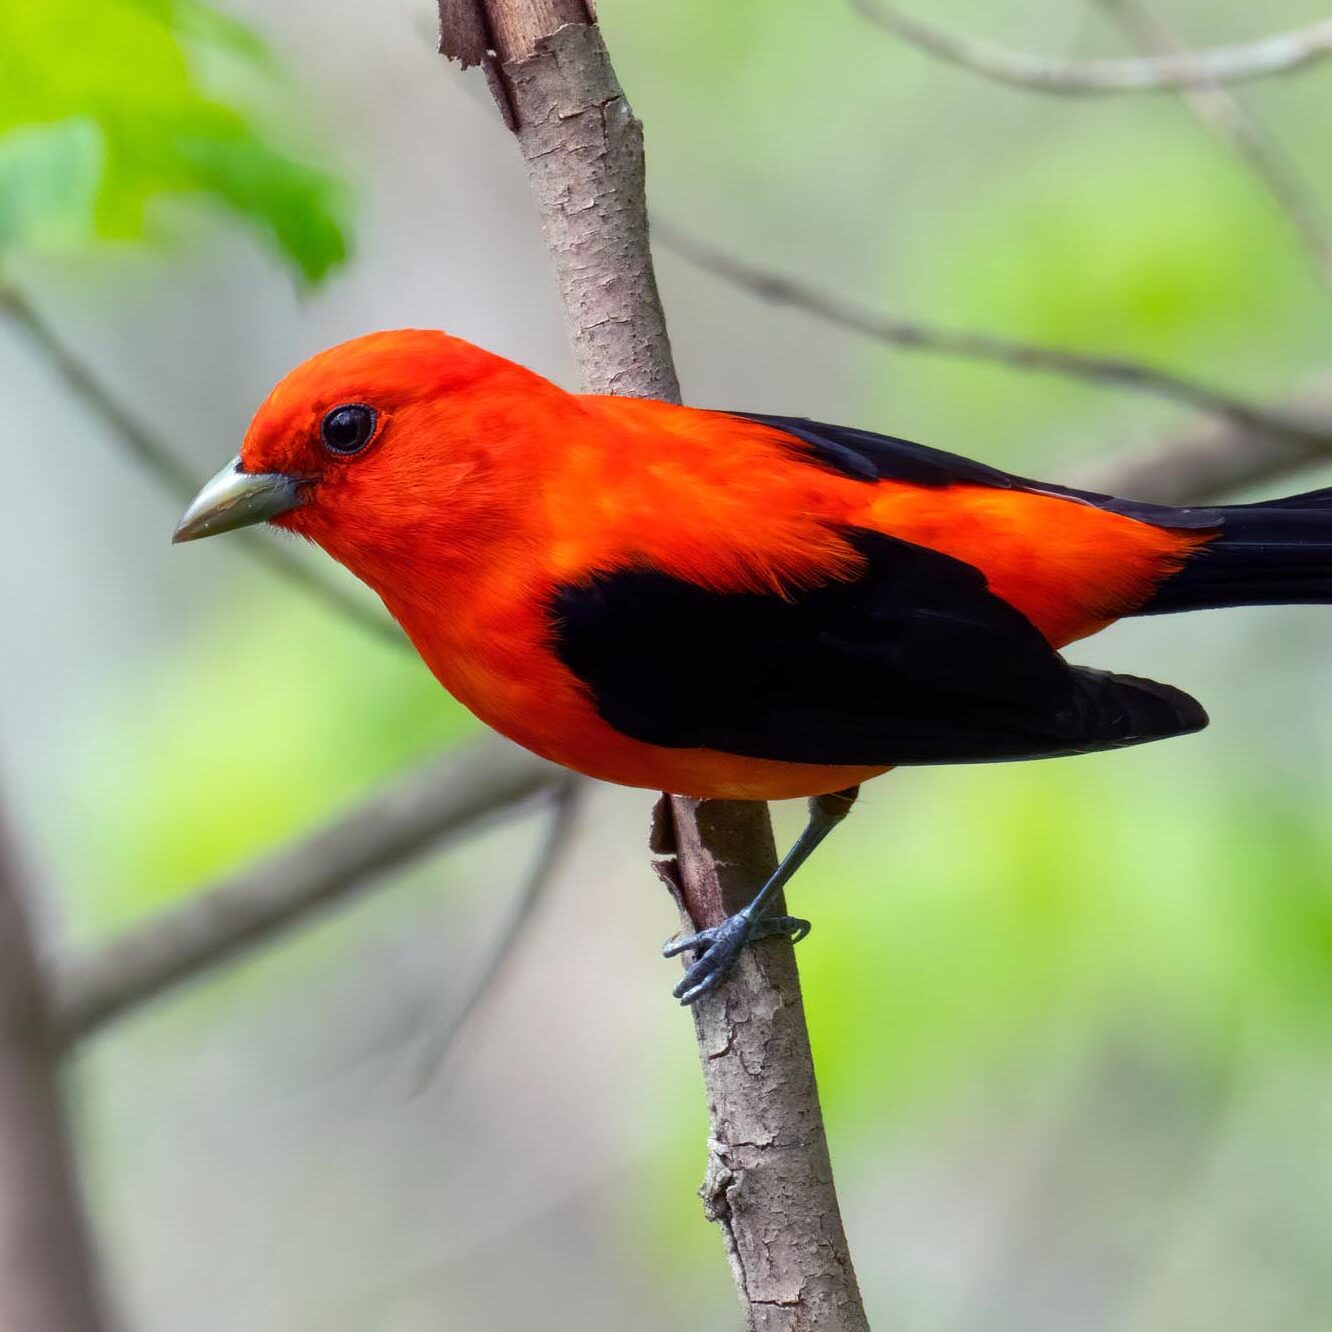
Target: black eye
348,429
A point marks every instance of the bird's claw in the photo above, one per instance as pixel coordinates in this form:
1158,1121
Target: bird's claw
718,948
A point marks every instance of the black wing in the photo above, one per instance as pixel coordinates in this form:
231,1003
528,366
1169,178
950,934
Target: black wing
916,661
866,456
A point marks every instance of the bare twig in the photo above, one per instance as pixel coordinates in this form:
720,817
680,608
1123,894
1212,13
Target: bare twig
549,858
1280,54
1212,459
769,1182
151,454
449,796
1112,371
1238,443
48,1281
1220,111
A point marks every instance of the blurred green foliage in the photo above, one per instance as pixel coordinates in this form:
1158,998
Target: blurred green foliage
102,112
266,761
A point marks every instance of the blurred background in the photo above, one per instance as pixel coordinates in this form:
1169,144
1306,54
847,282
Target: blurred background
1073,1020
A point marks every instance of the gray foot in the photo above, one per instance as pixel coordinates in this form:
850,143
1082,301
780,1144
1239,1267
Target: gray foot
718,948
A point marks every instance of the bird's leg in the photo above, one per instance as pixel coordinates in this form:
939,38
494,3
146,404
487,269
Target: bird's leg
716,949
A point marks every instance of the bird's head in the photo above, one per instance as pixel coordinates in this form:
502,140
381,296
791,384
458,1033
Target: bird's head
376,449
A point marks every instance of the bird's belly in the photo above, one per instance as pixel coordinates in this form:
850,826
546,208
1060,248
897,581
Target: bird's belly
706,774
563,726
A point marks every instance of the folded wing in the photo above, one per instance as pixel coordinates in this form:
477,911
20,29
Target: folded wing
914,662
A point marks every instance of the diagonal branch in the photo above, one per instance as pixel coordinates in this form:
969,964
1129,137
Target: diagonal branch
445,799
913,335
1262,58
770,1183
153,456
1212,459
1220,111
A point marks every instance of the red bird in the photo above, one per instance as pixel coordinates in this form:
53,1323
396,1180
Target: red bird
723,604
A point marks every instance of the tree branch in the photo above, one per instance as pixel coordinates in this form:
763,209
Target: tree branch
770,1185
1112,371
1211,459
1220,111
47,1270
154,457
442,800
1237,445
1259,59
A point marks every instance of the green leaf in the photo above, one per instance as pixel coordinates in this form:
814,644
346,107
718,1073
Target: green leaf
208,27
299,207
130,80
49,181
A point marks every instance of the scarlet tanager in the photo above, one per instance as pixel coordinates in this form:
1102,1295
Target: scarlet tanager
723,604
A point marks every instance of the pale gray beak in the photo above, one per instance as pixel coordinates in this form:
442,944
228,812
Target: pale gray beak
235,499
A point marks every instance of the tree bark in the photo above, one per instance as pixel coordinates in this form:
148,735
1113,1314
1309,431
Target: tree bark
769,1181
47,1271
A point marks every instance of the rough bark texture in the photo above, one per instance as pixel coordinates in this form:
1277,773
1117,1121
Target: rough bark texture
769,1182
584,154
47,1281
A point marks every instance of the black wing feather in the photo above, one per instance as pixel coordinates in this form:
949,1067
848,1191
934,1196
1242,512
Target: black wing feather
866,456
869,457
914,662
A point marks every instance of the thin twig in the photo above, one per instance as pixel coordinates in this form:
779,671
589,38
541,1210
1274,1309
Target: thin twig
1266,56
445,799
1211,459
548,860
769,1181
173,475
913,335
48,1279
1220,111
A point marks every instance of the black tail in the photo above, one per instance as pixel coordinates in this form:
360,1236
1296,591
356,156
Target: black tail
1278,552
